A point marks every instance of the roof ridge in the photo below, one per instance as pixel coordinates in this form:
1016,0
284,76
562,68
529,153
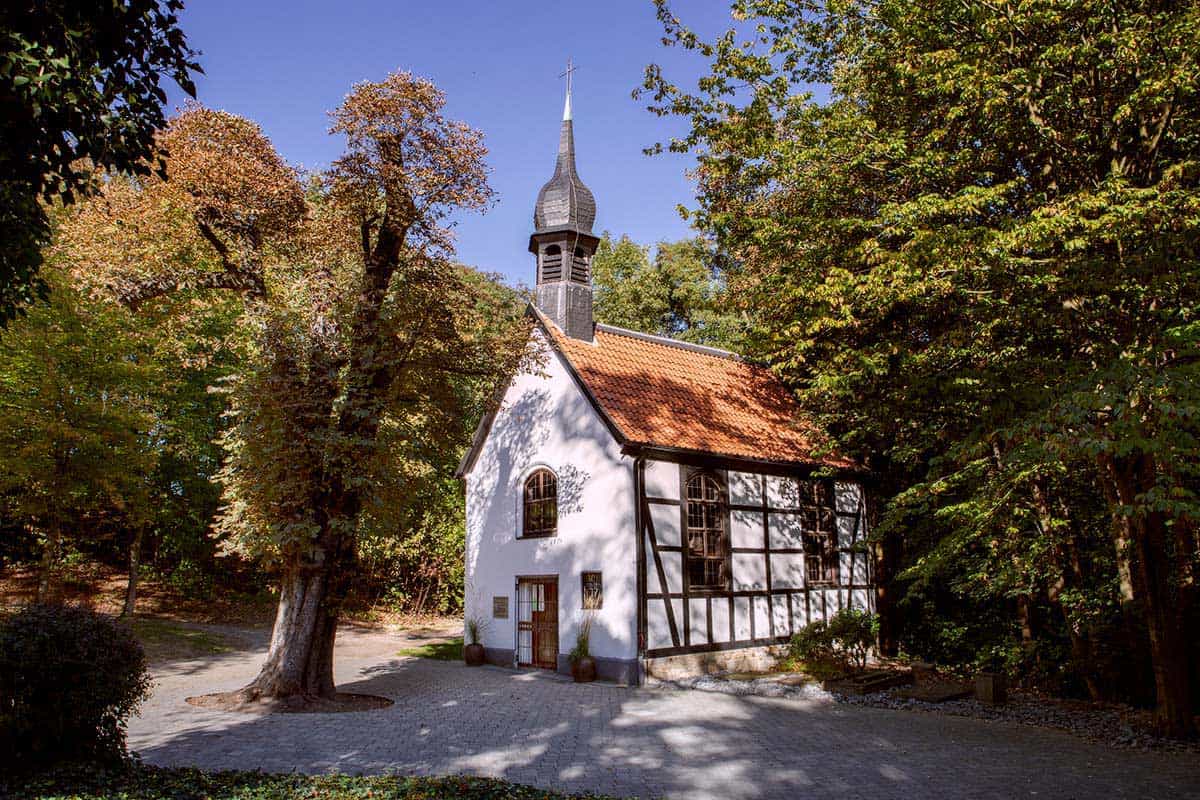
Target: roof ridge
716,352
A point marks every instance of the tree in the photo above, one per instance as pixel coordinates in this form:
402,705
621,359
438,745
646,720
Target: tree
75,422
681,293
80,87
364,332
977,264
108,431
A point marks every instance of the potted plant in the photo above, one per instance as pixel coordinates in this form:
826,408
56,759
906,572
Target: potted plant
583,666
473,650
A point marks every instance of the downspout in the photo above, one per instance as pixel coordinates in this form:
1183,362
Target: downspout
639,477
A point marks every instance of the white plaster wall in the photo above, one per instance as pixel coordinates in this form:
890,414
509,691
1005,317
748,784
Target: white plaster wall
545,420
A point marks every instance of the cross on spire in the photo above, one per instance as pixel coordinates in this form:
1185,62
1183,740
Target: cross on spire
569,74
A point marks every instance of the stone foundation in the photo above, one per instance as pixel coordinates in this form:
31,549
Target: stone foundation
616,670
742,659
499,656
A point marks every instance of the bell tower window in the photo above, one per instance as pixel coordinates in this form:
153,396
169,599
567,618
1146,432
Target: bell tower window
552,264
580,266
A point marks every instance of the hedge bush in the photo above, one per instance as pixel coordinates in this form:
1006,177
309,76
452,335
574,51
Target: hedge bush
135,782
69,679
847,638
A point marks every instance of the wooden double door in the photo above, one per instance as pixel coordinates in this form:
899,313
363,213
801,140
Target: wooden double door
537,622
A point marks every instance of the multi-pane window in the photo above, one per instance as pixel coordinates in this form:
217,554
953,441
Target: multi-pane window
593,591
820,558
541,504
820,534
706,548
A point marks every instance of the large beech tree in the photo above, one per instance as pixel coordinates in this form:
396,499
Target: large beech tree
366,340
977,262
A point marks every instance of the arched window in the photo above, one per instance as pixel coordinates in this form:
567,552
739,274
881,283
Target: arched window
707,552
540,504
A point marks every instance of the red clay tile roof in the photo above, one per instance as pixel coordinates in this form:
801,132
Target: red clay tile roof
666,394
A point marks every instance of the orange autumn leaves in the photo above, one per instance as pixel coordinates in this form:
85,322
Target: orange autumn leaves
232,214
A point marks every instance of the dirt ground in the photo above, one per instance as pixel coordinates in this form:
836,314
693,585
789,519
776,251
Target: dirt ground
173,626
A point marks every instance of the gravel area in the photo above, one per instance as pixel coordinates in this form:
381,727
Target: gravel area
1111,724
778,685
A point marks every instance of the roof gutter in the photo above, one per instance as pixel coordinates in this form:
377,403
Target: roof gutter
738,463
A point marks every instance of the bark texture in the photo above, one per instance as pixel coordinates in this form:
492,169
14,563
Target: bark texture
300,659
131,587
1151,569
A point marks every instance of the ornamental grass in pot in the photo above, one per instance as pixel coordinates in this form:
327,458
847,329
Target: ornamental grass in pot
583,666
473,650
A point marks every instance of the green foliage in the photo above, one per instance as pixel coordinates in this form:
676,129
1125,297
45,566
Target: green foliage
411,545
69,678
155,783
681,293
853,633
81,88
847,637
583,638
977,265
474,627
107,427
76,419
811,643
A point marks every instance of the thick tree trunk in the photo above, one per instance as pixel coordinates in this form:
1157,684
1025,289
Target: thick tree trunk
886,555
300,659
1150,582
131,586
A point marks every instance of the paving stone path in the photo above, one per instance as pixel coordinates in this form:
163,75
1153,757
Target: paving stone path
538,729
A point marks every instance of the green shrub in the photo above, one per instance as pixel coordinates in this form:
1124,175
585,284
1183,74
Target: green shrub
853,633
811,643
69,678
847,638
136,782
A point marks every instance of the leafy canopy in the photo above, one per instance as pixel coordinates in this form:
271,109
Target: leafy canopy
977,264
679,293
80,87
368,350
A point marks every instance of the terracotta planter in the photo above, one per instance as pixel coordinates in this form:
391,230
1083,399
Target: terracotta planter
584,670
473,655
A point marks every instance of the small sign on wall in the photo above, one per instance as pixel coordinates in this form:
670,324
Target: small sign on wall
500,607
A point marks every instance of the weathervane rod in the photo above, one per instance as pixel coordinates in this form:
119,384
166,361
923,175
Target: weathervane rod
568,75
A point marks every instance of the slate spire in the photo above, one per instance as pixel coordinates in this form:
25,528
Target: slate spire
564,200
563,240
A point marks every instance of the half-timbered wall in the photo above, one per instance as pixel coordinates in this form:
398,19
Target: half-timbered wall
769,595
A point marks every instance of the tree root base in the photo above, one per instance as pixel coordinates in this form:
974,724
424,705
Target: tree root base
251,702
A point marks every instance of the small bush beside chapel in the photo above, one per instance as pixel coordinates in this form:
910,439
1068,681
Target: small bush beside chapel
69,679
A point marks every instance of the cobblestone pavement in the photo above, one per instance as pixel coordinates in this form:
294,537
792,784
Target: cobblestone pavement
538,729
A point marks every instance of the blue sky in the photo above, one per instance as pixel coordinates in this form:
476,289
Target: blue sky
285,63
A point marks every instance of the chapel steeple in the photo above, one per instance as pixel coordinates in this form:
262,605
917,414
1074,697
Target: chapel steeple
563,241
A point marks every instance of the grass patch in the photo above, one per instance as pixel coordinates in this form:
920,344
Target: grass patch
164,640
154,783
440,651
